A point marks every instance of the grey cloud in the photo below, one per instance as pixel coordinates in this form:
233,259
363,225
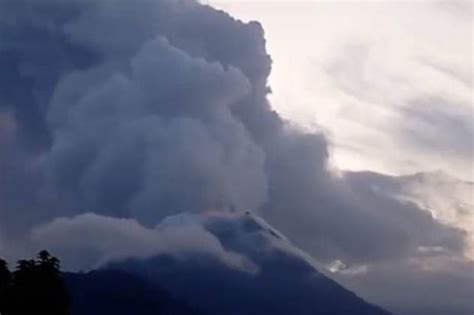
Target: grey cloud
179,147
134,111
169,114
434,126
442,126
418,287
84,245
343,72
357,223
460,74
460,9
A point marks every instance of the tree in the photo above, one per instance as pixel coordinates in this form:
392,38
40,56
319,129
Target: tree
36,287
5,275
5,282
48,263
44,257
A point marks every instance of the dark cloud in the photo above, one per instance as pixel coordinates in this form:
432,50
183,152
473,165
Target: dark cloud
178,146
160,107
357,222
136,111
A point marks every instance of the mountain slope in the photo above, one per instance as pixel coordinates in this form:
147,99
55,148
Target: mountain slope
280,279
120,293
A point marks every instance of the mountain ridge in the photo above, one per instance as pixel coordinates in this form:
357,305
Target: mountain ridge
285,282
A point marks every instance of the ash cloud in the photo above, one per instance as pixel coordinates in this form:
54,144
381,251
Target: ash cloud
115,115
85,246
143,110
126,112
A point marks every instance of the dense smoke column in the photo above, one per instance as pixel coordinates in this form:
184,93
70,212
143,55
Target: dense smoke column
145,109
128,108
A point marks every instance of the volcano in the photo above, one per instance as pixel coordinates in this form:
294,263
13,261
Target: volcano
277,278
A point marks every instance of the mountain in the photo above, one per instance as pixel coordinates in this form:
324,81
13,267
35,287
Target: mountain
121,293
276,279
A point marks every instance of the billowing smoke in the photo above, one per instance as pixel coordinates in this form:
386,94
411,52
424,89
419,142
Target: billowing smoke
115,114
182,236
129,110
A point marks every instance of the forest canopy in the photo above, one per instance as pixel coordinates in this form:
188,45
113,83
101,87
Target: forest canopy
34,287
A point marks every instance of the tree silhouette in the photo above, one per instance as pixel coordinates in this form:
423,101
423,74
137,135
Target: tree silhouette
5,275
35,287
48,263
5,281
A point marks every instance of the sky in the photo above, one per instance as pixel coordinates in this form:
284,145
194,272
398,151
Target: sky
397,74
126,123
390,84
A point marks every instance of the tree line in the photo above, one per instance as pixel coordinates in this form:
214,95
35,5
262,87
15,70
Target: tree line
35,286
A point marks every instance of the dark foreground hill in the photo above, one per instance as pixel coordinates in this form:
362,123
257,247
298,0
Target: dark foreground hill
120,293
281,282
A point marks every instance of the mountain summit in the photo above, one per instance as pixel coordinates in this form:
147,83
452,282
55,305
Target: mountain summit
273,277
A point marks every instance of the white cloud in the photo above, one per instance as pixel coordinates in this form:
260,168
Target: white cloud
89,241
356,70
